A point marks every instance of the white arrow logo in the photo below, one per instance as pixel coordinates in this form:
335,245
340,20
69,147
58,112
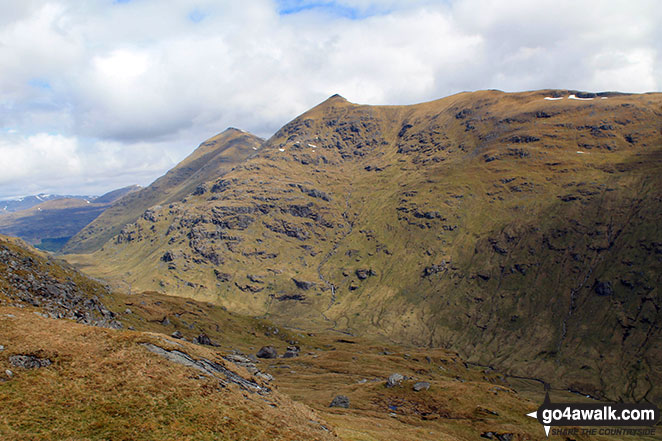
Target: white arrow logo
535,415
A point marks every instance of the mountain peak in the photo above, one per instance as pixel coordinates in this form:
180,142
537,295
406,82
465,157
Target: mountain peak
233,129
336,98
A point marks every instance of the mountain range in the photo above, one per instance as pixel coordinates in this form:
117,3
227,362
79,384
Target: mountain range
49,221
519,229
25,202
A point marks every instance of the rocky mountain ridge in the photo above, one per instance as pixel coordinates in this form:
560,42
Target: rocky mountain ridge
211,159
518,229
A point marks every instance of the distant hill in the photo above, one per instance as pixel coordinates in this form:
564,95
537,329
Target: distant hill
25,202
115,195
213,158
50,224
520,229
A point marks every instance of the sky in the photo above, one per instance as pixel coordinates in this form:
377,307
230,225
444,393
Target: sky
101,94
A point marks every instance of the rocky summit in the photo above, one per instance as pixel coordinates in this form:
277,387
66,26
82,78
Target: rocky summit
519,229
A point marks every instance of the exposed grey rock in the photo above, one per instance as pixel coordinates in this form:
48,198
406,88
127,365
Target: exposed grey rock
497,436
2,348
203,339
168,256
29,361
264,377
249,288
236,358
295,297
434,269
55,298
222,277
315,193
292,351
302,284
421,385
255,279
289,229
9,373
200,189
365,273
603,288
267,352
340,401
394,380
208,367
177,335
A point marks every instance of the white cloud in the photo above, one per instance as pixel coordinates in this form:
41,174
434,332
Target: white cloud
142,78
54,156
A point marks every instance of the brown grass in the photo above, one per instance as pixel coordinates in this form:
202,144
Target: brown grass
104,385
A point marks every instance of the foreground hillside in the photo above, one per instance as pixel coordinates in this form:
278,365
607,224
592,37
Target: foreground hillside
67,380
185,370
213,158
521,230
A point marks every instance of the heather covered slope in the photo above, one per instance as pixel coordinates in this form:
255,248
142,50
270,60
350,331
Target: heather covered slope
211,159
520,231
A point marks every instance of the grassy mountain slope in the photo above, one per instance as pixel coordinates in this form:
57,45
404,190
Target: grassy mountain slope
520,231
211,159
104,384
50,224
100,383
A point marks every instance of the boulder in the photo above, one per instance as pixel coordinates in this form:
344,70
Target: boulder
222,277
254,278
203,339
603,288
168,256
264,376
29,361
178,335
497,436
292,351
421,385
302,284
364,273
340,401
394,380
267,352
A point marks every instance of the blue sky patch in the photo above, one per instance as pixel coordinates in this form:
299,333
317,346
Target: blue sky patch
196,16
40,83
289,7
